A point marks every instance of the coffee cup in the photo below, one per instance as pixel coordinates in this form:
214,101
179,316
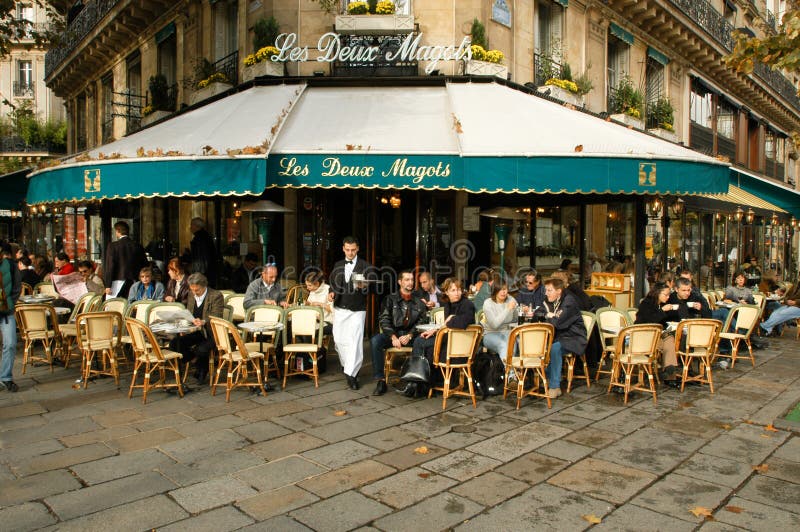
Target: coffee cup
358,277
183,323
675,306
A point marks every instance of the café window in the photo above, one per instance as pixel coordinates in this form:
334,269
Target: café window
557,237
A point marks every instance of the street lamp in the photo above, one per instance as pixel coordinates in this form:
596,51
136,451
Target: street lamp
502,228
739,214
750,215
677,207
265,210
654,207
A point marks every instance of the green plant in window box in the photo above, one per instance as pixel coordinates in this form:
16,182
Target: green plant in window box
662,113
628,99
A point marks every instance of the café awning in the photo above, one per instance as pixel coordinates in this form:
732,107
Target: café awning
773,192
443,134
14,185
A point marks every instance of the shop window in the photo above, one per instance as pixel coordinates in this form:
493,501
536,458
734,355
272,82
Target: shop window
108,108
774,154
557,237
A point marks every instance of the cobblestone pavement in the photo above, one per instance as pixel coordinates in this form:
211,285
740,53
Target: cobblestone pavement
329,458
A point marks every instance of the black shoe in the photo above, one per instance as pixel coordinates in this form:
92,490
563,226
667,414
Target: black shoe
672,383
268,387
352,382
380,388
11,386
410,389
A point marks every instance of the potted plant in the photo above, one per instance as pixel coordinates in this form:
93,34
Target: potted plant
626,104
561,86
661,115
484,62
208,83
262,63
361,19
160,104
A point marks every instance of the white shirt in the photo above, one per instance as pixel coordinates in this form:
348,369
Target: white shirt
348,268
199,299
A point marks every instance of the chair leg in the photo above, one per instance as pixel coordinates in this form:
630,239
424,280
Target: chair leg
146,385
315,369
468,372
286,358
133,378
627,382
709,378
570,371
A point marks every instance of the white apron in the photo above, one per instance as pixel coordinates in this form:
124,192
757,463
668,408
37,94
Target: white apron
348,334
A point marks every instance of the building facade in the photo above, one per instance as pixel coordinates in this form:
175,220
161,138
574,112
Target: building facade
654,65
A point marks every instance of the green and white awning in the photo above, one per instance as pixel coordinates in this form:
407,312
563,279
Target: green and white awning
450,135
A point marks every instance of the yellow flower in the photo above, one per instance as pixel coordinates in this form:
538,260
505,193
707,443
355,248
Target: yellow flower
216,77
147,109
565,84
357,8
634,112
479,53
384,7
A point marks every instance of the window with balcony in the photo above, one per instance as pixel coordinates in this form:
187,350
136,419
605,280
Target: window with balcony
225,29
23,85
618,59
701,112
80,123
726,129
108,108
168,59
654,89
549,28
25,12
132,97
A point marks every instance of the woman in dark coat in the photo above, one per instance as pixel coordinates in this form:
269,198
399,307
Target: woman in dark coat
653,309
564,313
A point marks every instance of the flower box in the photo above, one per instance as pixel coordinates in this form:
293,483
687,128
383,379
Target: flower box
628,120
561,94
374,24
485,68
664,134
264,68
155,116
209,91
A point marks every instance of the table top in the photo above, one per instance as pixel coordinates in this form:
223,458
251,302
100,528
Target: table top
726,305
38,298
63,310
428,326
260,326
165,328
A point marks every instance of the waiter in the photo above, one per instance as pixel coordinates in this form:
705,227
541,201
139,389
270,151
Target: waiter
349,296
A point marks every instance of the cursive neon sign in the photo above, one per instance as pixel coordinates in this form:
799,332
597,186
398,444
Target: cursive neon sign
331,50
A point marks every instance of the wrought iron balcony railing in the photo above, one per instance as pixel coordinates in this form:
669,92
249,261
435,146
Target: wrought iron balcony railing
778,82
81,25
545,67
229,65
16,144
24,89
708,18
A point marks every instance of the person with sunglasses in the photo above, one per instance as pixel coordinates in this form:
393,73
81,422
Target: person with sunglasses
93,282
531,294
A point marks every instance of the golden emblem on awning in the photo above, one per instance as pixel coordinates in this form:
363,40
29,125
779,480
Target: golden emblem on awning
91,180
647,174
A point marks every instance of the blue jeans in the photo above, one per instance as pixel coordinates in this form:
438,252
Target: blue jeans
379,343
779,316
553,370
497,342
8,332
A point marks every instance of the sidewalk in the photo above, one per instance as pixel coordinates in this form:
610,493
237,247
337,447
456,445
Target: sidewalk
334,459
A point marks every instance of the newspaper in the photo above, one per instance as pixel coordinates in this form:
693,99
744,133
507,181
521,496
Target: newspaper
71,286
173,316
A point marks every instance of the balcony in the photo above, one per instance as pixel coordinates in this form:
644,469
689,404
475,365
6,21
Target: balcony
33,28
708,18
24,89
400,23
16,144
544,68
100,31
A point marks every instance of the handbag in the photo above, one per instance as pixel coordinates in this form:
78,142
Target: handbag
416,369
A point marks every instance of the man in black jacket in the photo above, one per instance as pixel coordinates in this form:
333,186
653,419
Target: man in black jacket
564,314
204,252
349,297
686,303
401,313
124,259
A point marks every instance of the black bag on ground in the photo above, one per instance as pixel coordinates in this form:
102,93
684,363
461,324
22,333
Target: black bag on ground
758,342
488,372
322,359
416,369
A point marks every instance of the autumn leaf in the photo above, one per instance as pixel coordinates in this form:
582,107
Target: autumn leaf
770,428
578,149
340,413
421,450
592,519
761,468
699,511
423,475
748,421
734,509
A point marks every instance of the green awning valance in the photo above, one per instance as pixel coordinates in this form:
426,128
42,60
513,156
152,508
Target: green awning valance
652,53
165,33
564,3
13,187
621,34
773,192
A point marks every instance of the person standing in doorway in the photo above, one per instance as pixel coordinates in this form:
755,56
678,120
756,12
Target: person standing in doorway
11,288
349,297
123,262
204,251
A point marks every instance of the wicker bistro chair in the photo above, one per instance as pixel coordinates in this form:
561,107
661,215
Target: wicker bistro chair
69,330
746,318
236,301
296,295
46,289
305,323
696,339
589,321
236,358
27,290
267,341
100,332
149,354
636,349
461,346
535,341
115,304
610,321
38,323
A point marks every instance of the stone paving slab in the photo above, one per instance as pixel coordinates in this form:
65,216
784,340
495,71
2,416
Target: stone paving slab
543,507
438,424
261,431
280,473
773,492
280,523
358,510
209,467
276,502
677,495
188,450
340,454
411,455
283,446
145,514
16,455
26,516
102,496
565,450
37,487
212,494
346,478
603,480
119,466
62,459
632,518
714,469
407,487
21,410
461,465
440,512
144,440
56,429
518,441
388,439
757,516
219,520
638,450
787,470
533,467
97,436
746,443
490,488
351,428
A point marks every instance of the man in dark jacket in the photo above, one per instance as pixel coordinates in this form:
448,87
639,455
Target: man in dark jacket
349,297
400,315
124,259
204,252
564,314
531,293
686,303
12,286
